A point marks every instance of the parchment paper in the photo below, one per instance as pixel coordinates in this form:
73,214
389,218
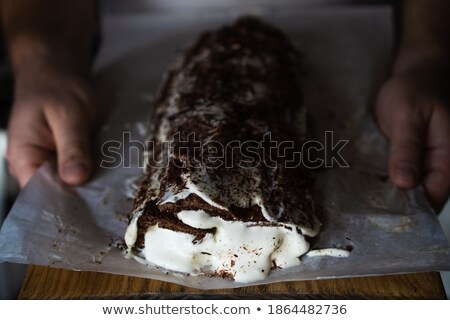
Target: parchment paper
345,55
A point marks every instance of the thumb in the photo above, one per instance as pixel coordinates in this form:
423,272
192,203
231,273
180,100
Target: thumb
407,143
71,134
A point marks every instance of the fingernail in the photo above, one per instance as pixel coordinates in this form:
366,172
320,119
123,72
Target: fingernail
406,175
74,169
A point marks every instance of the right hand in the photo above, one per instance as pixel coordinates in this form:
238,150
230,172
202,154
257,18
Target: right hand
413,112
53,112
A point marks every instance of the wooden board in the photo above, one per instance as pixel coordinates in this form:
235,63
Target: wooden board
50,283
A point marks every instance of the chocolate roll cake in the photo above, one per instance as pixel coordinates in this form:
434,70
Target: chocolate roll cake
223,193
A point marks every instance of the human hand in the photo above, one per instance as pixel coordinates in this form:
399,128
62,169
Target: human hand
413,112
53,112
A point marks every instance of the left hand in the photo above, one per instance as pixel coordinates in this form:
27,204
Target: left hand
53,113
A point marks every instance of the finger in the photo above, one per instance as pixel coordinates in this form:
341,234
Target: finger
71,133
437,164
407,143
24,160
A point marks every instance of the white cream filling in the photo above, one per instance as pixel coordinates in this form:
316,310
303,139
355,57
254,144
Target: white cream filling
242,249
191,188
132,229
258,200
170,197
